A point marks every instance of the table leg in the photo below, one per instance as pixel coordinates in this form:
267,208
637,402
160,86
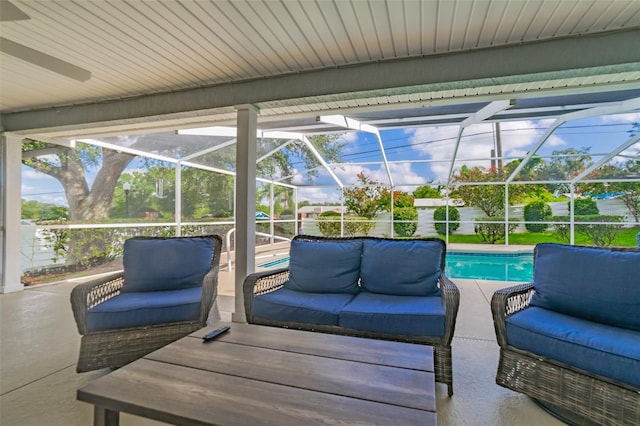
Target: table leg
105,417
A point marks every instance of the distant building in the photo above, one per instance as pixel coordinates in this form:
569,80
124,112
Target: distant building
436,202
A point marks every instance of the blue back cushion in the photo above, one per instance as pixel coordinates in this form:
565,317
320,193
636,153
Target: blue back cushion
592,283
402,267
319,266
157,264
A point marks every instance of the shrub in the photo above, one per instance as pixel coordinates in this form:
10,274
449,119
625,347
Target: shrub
537,211
329,224
357,225
493,230
584,207
440,216
602,234
407,218
562,230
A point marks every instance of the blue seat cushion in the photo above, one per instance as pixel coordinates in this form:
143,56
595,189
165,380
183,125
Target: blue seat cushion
601,349
593,283
402,267
299,306
406,315
317,266
146,308
157,264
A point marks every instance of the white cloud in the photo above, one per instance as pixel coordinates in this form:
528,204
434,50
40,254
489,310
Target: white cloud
632,117
349,137
318,195
28,173
438,143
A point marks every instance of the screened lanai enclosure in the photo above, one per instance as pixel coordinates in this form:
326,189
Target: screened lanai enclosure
502,172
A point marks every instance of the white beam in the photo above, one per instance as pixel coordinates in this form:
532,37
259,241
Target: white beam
245,211
316,154
349,123
625,106
486,112
10,214
590,55
210,149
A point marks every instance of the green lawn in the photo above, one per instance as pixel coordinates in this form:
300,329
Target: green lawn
626,238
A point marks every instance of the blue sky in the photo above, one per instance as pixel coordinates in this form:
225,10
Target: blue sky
426,143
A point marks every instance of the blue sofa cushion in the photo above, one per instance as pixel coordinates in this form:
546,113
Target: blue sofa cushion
146,308
402,267
592,283
298,306
400,315
601,349
157,264
324,266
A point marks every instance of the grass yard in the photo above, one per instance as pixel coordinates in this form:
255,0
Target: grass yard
625,238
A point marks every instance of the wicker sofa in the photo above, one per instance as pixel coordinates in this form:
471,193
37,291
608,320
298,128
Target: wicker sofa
363,286
168,289
571,338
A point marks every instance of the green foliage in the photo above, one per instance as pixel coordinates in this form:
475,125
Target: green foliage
489,198
607,183
564,165
440,217
405,221
584,206
537,211
357,225
402,199
281,162
426,191
602,234
493,230
33,209
329,223
367,199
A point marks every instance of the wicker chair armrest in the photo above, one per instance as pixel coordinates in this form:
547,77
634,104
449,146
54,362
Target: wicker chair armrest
260,283
209,295
451,297
87,295
508,301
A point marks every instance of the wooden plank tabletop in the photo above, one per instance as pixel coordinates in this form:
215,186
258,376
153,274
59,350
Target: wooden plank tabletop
396,354
254,375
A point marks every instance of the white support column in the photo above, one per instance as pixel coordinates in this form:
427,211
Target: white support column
178,198
247,122
10,204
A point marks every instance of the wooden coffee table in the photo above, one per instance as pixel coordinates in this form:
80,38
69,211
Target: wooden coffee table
256,375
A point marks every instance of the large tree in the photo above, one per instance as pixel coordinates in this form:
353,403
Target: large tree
628,192
70,166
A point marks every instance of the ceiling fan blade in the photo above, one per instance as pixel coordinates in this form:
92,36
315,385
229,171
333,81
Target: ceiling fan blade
9,12
43,60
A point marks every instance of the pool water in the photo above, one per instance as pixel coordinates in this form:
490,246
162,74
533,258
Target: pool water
480,266
490,266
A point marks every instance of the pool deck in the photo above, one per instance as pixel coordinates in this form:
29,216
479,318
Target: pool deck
40,344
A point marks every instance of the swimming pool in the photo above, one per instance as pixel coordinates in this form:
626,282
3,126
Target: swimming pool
479,266
490,266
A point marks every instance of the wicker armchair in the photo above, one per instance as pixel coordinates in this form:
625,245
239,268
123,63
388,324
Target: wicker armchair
269,281
557,385
112,348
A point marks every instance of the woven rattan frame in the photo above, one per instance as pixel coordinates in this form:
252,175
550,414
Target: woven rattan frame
115,348
268,281
600,399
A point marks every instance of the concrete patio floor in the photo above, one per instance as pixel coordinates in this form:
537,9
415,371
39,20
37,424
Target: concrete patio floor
39,347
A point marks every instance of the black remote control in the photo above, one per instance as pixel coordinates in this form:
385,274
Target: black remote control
215,333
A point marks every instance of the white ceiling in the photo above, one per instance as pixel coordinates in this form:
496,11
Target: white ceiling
188,55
